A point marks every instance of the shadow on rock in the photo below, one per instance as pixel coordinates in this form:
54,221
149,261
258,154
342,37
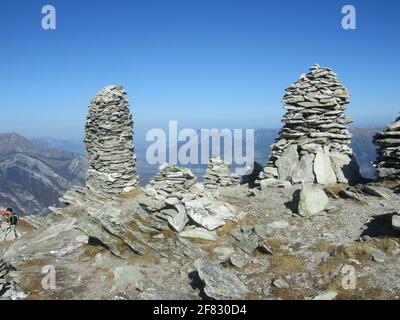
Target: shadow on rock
293,204
380,225
252,177
196,283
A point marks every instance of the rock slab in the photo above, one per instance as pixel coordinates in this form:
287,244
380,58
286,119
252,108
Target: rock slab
219,283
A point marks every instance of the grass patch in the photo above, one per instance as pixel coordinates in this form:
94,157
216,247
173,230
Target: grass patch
285,264
133,194
321,246
335,189
363,290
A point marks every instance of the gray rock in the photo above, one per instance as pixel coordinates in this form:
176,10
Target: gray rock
220,283
376,191
7,232
248,239
199,233
287,163
339,161
312,200
327,295
264,248
280,284
238,261
396,222
273,183
93,228
349,194
184,247
280,224
179,221
304,171
378,255
172,201
264,231
346,168
224,252
210,214
323,169
158,293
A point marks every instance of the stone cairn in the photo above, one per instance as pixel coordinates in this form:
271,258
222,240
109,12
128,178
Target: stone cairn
175,199
109,143
165,195
313,145
170,184
219,174
388,160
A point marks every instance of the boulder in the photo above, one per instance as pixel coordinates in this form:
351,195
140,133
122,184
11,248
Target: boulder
312,200
346,168
323,169
7,232
219,283
287,163
179,221
211,214
304,171
396,222
94,229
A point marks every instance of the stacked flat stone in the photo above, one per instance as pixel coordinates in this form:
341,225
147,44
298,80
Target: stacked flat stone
171,183
219,174
109,143
166,194
388,160
174,199
313,144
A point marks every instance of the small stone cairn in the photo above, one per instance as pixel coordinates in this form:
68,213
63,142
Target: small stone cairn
219,174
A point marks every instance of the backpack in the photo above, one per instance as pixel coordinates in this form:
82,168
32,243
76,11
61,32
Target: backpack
8,216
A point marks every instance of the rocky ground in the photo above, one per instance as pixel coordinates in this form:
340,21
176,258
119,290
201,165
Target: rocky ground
271,253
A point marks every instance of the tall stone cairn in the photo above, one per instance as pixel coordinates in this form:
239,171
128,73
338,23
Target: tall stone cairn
313,145
388,160
109,143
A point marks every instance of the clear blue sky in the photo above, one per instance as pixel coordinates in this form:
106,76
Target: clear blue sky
220,63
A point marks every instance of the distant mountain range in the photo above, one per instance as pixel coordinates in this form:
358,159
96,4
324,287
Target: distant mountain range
34,174
75,146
